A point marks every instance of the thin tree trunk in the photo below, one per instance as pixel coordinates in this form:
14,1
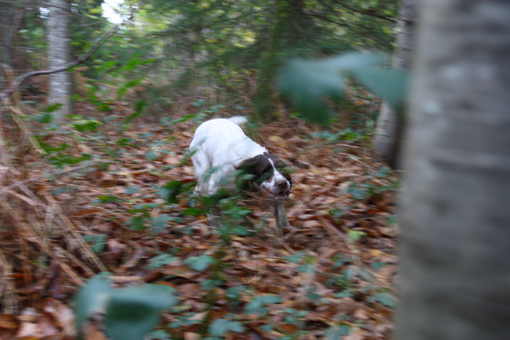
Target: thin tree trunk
59,53
455,218
6,33
390,125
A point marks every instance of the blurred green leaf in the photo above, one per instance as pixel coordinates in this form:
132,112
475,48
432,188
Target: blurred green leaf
132,312
92,297
384,299
138,111
389,84
161,260
308,83
98,242
170,191
200,263
337,332
220,327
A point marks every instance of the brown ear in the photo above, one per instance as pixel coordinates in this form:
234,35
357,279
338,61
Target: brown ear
259,167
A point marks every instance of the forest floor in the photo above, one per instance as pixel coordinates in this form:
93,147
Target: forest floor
333,272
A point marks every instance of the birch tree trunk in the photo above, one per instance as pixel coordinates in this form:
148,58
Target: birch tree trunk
386,143
59,53
455,217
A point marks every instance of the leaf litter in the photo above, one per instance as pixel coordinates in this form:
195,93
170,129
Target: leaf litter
333,270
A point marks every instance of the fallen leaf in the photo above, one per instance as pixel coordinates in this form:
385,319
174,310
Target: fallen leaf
8,321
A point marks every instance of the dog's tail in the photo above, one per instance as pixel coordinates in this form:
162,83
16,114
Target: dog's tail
239,120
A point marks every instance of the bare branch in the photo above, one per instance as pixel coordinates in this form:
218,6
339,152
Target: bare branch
21,79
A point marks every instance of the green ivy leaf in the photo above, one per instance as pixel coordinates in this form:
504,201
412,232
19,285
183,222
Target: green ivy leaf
92,297
132,312
161,260
336,332
159,223
200,263
220,327
136,223
170,191
385,299
98,242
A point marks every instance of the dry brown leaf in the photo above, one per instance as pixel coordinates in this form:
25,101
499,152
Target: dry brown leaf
91,332
8,321
191,336
361,314
311,224
29,330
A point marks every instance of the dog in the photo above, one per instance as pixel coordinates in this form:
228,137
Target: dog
225,159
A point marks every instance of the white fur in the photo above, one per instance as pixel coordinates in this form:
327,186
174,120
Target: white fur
219,146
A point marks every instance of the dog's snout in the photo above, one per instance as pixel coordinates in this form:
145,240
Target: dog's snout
283,185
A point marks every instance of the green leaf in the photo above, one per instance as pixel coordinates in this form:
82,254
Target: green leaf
308,83
336,332
86,125
295,258
385,299
389,84
159,223
255,305
132,190
130,84
193,211
200,263
106,199
45,118
138,111
98,242
346,293
132,312
52,108
161,260
92,297
136,223
220,327
170,191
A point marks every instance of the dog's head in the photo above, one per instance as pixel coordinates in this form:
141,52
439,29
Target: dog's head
266,172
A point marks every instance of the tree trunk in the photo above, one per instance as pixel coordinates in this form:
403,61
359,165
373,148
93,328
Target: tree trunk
390,125
455,218
6,33
59,53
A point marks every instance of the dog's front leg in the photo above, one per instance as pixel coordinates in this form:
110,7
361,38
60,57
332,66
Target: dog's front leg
281,216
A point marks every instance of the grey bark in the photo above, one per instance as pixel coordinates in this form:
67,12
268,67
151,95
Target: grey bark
455,217
59,53
386,143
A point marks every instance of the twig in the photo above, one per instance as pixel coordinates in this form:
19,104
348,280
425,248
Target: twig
45,247
17,184
24,127
7,289
71,228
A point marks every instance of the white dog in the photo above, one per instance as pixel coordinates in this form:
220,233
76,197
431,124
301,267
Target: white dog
220,148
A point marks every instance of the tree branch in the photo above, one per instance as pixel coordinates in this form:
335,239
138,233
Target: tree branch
21,79
365,12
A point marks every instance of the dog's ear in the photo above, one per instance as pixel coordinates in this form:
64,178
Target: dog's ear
254,171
